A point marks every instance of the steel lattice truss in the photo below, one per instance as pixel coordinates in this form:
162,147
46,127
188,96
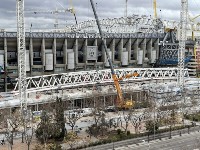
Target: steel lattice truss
181,51
75,79
130,24
21,54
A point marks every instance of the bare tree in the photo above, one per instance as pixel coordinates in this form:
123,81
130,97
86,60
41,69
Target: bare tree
136,122
72,118
29,136
126,117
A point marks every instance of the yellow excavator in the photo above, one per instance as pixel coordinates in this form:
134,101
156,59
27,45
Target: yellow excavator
121,103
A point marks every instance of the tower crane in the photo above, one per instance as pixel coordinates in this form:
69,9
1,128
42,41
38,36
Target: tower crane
181,51
192,20
73,11
21,55
54,12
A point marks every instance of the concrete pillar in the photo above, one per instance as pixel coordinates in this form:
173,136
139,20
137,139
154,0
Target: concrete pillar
128,48
85,44
95,42
143,47
75,48
135,46
156,47
54,53
65,53
120,49
6,62
43,53
104,101
112,49
31,53
149,49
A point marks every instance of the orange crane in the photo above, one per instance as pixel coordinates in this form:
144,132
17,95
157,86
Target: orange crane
121,103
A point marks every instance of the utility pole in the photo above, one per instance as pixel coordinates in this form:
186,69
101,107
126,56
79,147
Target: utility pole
182,39
21,55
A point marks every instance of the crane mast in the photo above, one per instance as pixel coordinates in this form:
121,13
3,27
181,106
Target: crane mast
155,9
182,39
114,76
21,54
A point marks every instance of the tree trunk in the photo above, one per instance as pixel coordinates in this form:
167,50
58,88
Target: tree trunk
22,137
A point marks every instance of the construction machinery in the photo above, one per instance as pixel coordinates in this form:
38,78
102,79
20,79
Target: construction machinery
120,103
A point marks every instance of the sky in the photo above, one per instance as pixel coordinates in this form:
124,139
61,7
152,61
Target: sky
167,9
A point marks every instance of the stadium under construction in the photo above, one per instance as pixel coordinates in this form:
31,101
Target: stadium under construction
75,58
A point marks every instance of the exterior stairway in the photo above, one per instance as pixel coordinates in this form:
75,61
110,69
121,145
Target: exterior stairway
192,64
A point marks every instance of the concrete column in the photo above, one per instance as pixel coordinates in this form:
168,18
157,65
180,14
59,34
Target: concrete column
112,49
65,53
135,46
75,48
120,49
128,48
156,47
31,53
95,42
104,101
143,47
149,49
5,62
54,53
43,53
85,44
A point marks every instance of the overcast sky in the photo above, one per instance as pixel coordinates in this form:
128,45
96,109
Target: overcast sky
167,9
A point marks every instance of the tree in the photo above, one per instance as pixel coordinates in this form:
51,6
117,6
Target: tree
28,137
150,126
72,118
136,122
126,119
59,118
43,130
71,139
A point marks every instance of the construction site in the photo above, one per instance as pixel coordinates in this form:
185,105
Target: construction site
98,81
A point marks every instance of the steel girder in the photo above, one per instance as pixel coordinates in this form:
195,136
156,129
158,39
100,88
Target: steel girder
82,35
76,79
131,24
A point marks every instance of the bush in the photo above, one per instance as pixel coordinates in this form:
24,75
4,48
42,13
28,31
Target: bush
54,146
128,133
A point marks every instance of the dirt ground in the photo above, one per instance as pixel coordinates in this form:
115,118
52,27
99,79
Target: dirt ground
18,145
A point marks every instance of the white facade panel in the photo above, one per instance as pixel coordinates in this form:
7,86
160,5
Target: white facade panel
27,61
70,60
153,56
140,57
48,61
124,58
92,52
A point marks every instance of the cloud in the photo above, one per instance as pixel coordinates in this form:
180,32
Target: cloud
105,8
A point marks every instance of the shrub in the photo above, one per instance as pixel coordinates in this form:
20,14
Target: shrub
128,133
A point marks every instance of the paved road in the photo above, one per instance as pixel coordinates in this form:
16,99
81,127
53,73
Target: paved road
137,142
185,142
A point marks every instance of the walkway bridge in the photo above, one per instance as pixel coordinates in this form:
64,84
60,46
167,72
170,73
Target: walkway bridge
84,78
74,85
